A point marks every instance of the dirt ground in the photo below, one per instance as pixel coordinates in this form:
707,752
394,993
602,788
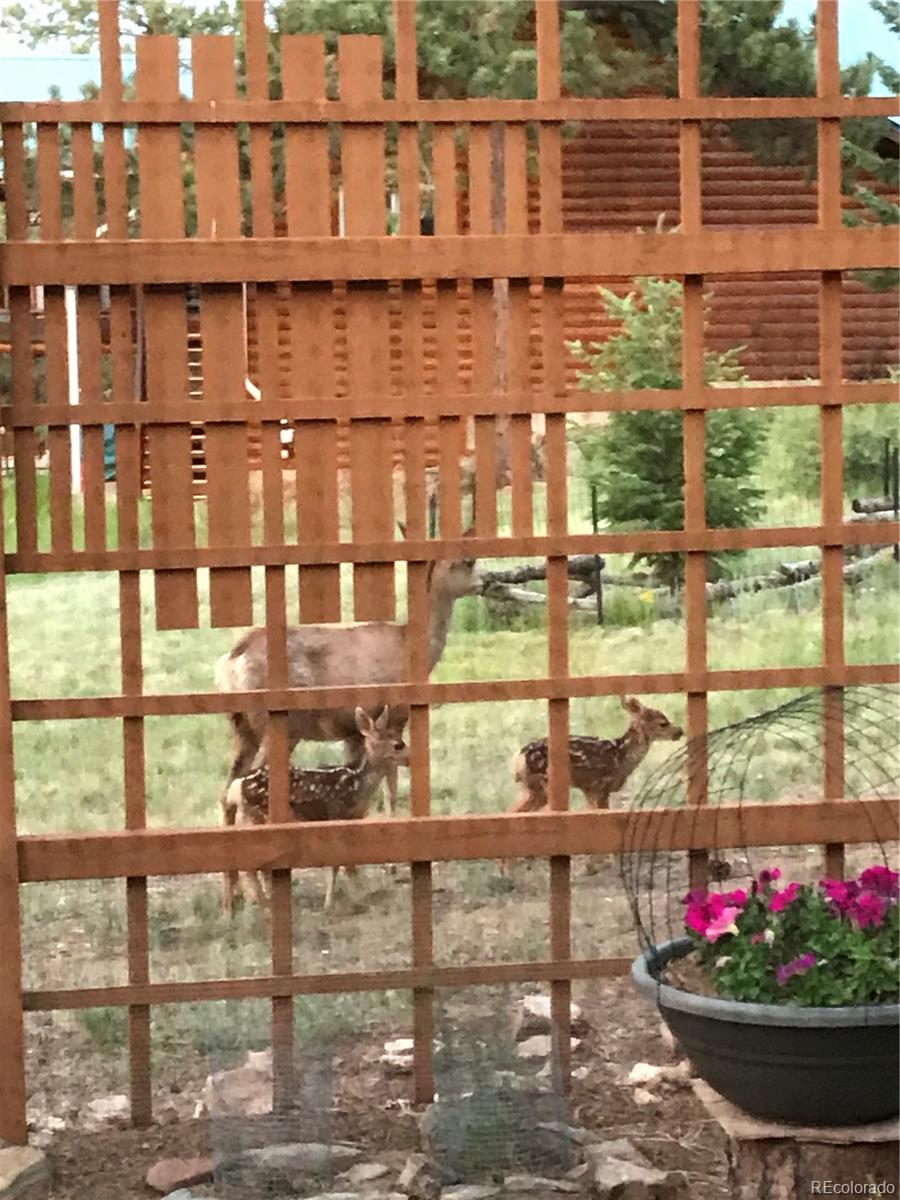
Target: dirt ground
676,1132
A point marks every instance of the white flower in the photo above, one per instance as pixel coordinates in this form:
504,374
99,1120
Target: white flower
723,960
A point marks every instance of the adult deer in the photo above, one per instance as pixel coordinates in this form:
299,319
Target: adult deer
358,654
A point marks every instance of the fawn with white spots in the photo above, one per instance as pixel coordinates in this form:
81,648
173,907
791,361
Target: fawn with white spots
342,793
597,766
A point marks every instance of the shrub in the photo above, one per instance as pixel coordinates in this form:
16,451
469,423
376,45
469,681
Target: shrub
636,458
795,461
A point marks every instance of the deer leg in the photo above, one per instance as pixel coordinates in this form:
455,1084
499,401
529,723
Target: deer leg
600,801
329,888
531,798
246,748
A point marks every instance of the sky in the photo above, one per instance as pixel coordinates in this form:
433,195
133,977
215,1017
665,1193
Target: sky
28,74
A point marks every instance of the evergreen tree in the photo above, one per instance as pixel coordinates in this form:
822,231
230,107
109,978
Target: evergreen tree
635,460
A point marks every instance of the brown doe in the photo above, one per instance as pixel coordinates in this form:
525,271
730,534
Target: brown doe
358,654
597,766
342,793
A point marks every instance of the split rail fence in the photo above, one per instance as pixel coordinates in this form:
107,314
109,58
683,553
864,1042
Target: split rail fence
368,397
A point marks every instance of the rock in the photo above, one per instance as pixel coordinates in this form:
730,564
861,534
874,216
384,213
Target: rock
172,1173
299,1158
571,1133
642,1097
365,1173
242,1092
185,1194
470,1191
107,1110
679,1074
417,1179
533,1017
24,1173
540,1046
621,1172
536,1185
643,1072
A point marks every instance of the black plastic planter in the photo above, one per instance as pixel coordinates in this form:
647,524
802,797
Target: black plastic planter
807,1066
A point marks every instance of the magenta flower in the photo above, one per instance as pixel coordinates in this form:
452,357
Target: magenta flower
868,909
881,880
768,875
780,900
722,924
797,966
840,894
738,897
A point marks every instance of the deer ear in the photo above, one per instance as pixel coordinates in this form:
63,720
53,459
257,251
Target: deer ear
470,532
363,721
402,528
382,719
630,704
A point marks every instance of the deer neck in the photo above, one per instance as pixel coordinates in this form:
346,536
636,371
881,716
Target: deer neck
632,747
439,620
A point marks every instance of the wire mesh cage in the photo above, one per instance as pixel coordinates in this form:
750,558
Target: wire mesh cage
494,1112
724,767
271,1145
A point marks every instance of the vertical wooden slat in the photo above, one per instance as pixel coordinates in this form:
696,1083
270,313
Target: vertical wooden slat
412,382
308,193
371,458
13,1124
556,482
451,430
21,358
483,336
828,87
128,487
162,216
694,427
89,341
222,331
518,373
56,358
277,746
832,507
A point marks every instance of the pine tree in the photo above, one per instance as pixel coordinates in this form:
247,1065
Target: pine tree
635,460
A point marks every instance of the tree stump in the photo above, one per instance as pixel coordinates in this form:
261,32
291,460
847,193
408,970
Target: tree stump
787,1169
771,1161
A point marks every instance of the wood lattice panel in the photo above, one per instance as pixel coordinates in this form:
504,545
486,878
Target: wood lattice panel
376,374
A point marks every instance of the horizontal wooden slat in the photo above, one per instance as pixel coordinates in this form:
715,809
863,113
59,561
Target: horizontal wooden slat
472,691
476,110
246,988
345,408
142,853
312,554
550,256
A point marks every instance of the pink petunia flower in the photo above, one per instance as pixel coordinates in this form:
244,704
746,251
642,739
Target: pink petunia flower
768,875
722,924
738,897
797,966
780,900
839,893
881,880
868,909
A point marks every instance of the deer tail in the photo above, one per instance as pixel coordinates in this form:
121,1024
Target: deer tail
224,674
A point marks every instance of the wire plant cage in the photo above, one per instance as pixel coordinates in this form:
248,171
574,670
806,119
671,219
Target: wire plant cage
494,1113
790,738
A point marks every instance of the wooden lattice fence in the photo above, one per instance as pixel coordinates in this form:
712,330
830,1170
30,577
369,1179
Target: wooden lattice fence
345,372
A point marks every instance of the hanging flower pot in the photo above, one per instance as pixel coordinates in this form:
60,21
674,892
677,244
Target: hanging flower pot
785,998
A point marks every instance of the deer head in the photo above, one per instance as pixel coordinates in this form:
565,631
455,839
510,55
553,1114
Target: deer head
654,724
382,745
